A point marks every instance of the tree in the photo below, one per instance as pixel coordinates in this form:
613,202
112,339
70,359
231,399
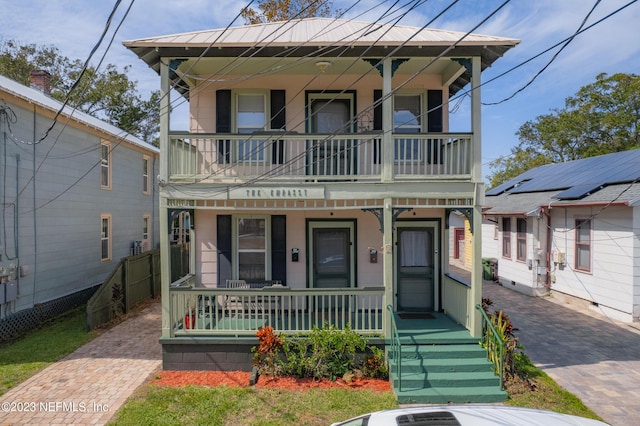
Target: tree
107,94
283,10
603,117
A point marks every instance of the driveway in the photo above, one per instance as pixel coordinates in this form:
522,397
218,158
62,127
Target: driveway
595,358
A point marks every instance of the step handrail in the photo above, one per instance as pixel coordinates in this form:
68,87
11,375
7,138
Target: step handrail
396,346
490,340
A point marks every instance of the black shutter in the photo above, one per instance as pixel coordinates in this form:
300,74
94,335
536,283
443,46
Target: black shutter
278,122
377,124
434,125
434,106
279,248
224,249
223,124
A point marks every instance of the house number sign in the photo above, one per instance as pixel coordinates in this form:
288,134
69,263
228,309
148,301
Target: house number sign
276,193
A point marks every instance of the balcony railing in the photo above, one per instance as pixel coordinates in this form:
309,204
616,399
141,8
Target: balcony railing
316,157
225,311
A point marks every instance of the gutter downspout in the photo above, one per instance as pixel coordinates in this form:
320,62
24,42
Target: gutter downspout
545,213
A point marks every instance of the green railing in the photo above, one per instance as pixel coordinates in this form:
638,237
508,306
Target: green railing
396,346
494,344
242,311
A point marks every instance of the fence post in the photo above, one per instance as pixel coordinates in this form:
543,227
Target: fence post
125,293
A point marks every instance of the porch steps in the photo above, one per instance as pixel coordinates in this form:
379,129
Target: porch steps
446,372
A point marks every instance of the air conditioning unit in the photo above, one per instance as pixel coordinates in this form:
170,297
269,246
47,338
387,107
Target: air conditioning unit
145,245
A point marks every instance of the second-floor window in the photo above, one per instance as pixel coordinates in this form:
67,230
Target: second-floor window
145,174
506,237
407,118
521,235
583,245
105,165
251,116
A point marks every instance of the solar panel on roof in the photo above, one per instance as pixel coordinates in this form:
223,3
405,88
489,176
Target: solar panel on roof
579,177
578,191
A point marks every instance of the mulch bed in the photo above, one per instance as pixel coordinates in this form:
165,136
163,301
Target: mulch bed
241,379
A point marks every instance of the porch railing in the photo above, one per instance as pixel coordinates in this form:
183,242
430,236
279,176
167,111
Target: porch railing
242,311
396,346
494,344
316,157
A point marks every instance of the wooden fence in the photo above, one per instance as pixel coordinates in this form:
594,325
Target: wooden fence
134,279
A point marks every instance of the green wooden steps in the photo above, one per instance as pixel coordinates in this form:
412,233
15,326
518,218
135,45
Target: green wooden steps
445,373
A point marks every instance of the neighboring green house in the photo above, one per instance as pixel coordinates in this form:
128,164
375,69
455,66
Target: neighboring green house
571,230
77,194
317,178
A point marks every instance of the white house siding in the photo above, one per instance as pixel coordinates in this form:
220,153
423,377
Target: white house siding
490,244
612,282
636,263
528,276
59,212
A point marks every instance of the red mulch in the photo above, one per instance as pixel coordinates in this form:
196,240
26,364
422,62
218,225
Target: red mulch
241,379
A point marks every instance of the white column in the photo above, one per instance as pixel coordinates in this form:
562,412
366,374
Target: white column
476,264
387,122
165,258
387,259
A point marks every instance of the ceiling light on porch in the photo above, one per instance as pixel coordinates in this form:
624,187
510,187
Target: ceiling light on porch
323,65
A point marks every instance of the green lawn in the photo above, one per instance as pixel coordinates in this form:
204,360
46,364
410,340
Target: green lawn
153,404
33,352
223,405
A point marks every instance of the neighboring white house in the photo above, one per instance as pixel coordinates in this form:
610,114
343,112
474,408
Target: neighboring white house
76,192
572,229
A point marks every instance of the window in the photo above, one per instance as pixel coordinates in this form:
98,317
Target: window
583,245
252,248
407,118
146,222
145,174
251,117
105,165
506,237
105,237
521,243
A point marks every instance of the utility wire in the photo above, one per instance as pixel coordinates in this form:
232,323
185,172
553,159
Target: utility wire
553,58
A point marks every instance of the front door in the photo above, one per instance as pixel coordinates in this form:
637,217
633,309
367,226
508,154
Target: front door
330,115
416,268
331,258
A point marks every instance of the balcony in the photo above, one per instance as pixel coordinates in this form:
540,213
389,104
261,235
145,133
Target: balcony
290,157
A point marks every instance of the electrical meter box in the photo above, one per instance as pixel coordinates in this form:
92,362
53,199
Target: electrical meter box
10,291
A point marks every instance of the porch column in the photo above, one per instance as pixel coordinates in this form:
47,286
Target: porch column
387,122
476,263
387,259
165,259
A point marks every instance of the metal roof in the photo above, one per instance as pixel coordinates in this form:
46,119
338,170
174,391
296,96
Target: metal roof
577,178
523,203
322,37
37,97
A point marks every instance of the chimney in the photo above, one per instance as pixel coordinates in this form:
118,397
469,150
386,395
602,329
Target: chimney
40,80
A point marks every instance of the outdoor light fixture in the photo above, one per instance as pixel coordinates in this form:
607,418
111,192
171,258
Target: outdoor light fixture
323,65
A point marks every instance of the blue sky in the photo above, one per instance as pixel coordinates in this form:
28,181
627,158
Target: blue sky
74,26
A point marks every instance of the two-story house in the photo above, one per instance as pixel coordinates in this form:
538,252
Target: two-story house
77,195
319,174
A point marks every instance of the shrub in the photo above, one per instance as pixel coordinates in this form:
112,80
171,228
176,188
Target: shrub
326,352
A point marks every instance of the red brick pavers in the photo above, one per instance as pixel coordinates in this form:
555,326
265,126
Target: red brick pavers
595,358
91,384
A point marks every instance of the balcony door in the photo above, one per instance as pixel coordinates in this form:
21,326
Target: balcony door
330,115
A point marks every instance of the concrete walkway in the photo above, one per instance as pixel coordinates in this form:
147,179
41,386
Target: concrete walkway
91,384
596,359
